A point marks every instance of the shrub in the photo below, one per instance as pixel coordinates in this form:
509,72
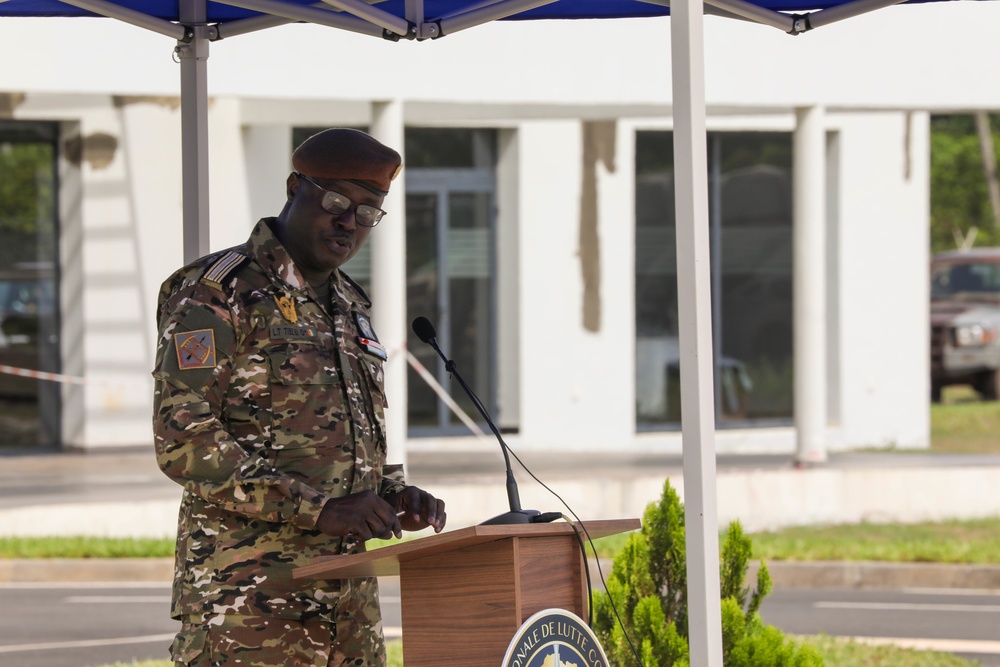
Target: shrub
648,588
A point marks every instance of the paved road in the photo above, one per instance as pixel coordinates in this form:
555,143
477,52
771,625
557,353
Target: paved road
88,625
963,622
76,626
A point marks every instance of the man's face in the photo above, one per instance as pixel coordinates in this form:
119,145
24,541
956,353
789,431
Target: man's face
317,240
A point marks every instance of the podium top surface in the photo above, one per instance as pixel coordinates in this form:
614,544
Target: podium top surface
386,561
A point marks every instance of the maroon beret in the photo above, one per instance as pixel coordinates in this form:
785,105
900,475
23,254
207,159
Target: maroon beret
350,155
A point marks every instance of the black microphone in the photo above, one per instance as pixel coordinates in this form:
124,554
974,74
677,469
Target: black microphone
425,332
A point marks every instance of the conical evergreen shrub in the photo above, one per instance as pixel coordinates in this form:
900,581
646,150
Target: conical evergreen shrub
648,586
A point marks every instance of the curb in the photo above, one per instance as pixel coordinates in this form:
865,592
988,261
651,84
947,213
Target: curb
77,570
875,575
784,574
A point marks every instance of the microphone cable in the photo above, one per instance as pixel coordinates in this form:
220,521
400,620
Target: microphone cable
580,525
424,330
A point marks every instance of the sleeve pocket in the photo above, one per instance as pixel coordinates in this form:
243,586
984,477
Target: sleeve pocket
189,647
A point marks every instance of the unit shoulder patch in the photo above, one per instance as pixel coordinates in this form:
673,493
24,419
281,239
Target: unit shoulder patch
195,349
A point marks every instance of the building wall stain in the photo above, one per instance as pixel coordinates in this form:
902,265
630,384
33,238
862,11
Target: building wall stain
9,102
598,149
171,102
97,149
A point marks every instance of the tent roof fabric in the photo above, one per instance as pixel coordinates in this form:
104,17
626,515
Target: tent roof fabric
564,9
221,13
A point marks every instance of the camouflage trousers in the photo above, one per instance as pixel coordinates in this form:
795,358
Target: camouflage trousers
267,641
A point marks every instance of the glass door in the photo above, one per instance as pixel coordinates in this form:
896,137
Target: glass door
29,318
450,280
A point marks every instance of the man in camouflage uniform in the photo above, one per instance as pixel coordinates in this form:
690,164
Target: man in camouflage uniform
269,410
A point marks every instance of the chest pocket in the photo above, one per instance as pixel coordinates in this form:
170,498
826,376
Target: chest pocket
307,399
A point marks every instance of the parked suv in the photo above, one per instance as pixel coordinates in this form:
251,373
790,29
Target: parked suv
965,321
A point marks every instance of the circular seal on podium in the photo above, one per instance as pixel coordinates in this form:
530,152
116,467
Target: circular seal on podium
555,638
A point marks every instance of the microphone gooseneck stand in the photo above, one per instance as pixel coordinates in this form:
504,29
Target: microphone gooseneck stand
425,332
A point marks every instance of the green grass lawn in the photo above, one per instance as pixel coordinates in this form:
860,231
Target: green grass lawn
85,547
975,541
838,652
963,424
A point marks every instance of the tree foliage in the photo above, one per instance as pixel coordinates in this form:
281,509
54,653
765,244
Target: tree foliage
647,591
26,187
959,194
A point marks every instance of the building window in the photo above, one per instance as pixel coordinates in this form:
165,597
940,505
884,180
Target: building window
29,316
750,214
451,271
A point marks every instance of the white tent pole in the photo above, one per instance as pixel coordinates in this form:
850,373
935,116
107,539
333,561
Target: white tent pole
809,280
388,242
194,128
694,295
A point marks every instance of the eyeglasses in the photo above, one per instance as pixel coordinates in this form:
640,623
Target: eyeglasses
338,204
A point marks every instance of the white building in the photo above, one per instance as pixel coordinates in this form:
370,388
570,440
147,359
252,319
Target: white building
537,205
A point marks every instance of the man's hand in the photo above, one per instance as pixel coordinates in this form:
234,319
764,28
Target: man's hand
419,509
361,516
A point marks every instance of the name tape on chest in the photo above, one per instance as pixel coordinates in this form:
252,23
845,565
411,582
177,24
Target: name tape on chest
286,332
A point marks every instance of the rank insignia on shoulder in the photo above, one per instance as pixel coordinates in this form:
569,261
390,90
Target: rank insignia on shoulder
195,349
223,267
287,307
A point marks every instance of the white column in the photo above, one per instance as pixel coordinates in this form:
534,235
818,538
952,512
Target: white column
508,281
268,151
388,242
809,273
72,293
694,301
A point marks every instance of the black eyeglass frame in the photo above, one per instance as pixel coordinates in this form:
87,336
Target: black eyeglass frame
338,204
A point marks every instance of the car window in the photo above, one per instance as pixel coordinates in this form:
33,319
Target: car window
951,279
26,297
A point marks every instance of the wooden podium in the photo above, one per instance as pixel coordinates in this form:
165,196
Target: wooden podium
466,592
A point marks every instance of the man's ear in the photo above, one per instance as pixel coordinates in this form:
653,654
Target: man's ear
291,186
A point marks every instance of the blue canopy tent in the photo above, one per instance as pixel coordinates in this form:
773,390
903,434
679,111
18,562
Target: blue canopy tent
194,24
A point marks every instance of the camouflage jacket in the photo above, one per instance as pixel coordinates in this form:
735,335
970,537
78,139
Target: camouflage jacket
267,403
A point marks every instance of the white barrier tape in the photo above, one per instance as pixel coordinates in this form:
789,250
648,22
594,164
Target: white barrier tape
441,392
42,375
413,361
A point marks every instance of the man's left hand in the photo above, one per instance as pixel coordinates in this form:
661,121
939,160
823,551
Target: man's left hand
418,509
